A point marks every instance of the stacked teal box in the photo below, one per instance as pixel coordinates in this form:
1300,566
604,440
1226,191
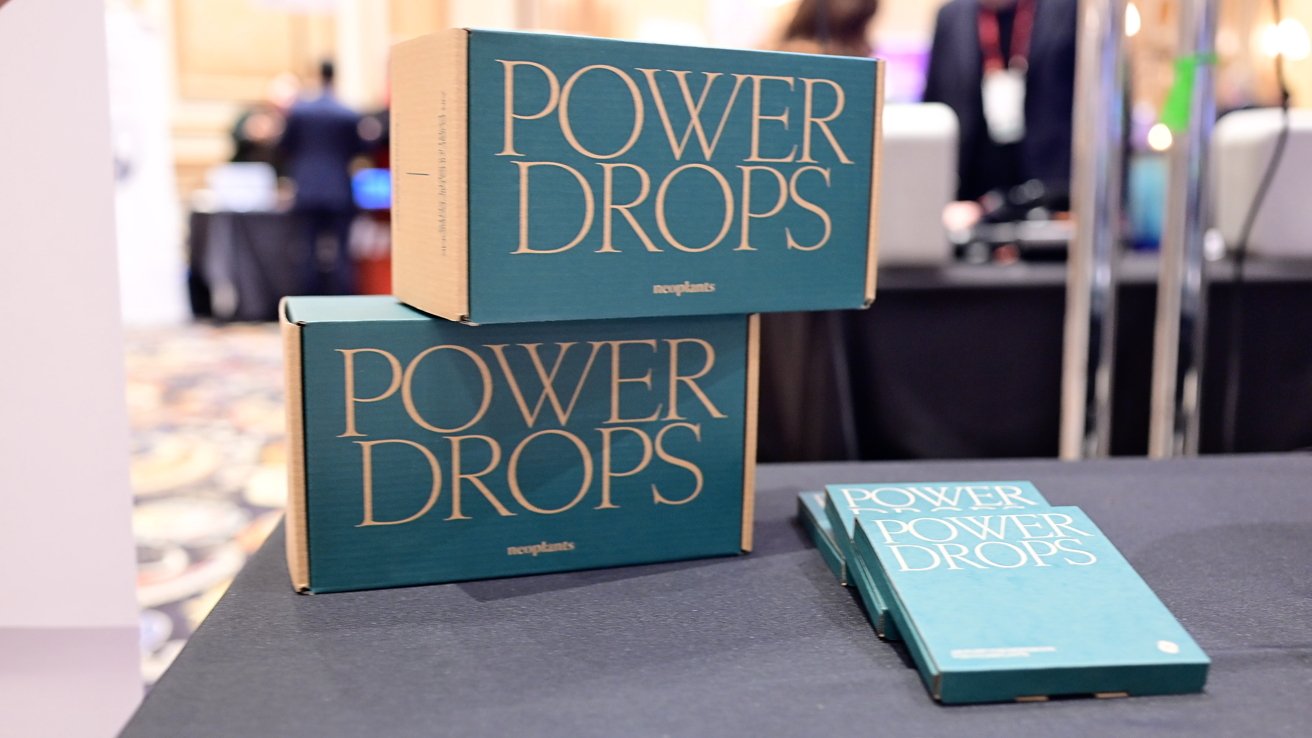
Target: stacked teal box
544,177
435,451
584,232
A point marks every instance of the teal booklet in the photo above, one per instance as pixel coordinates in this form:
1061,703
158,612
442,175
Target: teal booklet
425,451
846,502
811,513
548,177
1005,605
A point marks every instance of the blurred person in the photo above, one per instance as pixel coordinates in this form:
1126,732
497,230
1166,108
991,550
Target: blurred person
1007,69
837,27
322,136
256,132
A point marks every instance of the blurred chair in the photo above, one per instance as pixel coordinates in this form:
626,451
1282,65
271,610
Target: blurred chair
918,178
1242,144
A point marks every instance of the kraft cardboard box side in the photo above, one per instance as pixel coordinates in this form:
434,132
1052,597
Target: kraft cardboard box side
426,451
545,177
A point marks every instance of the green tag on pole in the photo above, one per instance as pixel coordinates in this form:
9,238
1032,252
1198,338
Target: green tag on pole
1175,113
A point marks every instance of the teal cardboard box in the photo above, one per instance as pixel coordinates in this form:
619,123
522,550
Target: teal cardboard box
545,177
1022,605
426,451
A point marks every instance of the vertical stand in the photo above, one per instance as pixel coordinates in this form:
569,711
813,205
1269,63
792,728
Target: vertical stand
1178,340
1096,178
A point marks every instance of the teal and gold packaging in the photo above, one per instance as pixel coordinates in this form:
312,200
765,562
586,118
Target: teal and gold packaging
542,177
426,451
1011,605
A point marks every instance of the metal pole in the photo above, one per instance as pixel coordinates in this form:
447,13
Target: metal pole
1091,274
1178,341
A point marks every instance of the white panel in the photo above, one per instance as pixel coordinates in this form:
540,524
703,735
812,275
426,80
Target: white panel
1242,145
65,535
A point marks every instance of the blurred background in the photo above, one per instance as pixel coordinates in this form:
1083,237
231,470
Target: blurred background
220,108
184,71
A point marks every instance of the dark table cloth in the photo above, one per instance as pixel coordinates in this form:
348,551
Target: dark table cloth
242,263
765,644
964,361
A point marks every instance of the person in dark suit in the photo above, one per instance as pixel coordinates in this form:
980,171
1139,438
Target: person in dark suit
321,138
1031,42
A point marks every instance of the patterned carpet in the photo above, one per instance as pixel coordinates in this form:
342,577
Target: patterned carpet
208,469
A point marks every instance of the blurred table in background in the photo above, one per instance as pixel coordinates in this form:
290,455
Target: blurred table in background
964,361
953,361
242,263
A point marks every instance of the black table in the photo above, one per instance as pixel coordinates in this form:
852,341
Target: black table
767,644
964,361
242,263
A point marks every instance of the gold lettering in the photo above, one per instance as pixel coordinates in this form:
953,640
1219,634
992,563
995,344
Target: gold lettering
694,110
479,484
608,204
568,129
808,205
548,380
757,117
348,361
663,224
690,379
510,117
809,120
616,380
681,463
367,451
512,472
588,207
744,243
407,388
607,471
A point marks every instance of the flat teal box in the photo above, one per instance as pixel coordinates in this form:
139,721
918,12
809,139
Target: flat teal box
811,513
846,502
547,177
1034,604
427,451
